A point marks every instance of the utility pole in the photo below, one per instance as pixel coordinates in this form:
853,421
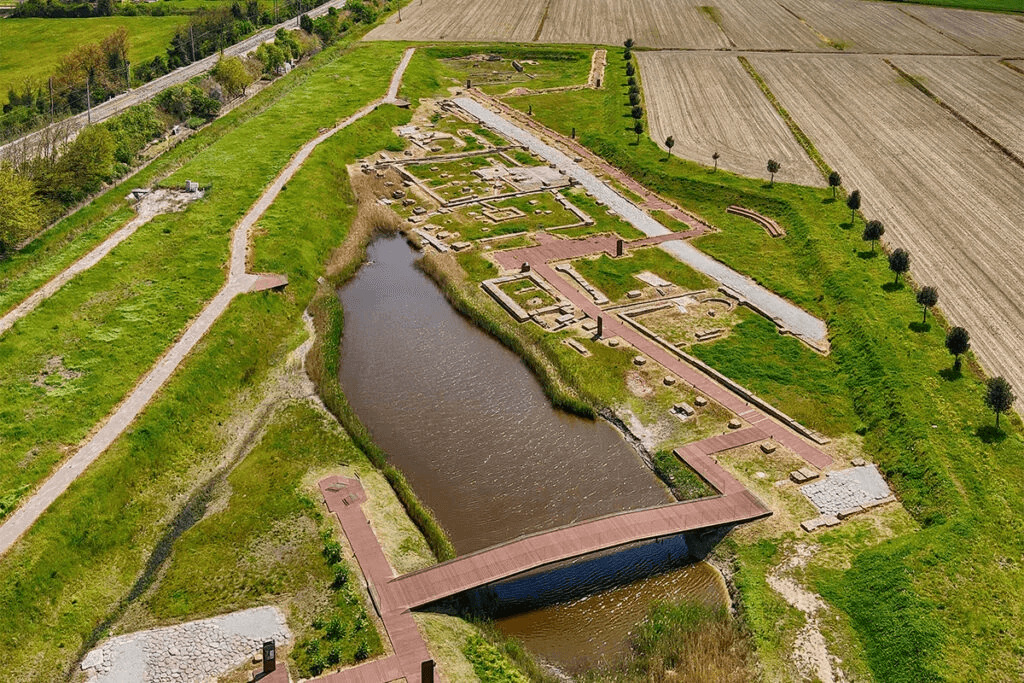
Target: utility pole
51,100
128,75
88,96
192,37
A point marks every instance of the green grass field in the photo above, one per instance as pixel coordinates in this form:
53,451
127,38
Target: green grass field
71,572
941,604
145,292
987,5
31,48
615,277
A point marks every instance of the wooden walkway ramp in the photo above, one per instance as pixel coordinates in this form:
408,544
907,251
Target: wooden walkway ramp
735,505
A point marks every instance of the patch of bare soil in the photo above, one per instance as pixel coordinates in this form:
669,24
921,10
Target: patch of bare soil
54,375
637,384
810,651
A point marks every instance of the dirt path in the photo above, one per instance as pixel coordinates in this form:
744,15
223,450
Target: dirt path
239,282
152,205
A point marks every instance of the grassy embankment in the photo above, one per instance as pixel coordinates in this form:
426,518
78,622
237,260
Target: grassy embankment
558,66
987,5
941,603
67,578
69,362
33,47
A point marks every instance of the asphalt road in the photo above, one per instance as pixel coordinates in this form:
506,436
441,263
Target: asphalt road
145,92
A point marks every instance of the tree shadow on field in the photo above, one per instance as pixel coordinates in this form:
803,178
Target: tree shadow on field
920,327
892,286
828,200
990,434
846,225
868,254
951,374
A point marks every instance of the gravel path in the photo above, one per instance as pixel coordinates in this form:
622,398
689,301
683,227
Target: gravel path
193,651
239,282
153,204
788,316
33,143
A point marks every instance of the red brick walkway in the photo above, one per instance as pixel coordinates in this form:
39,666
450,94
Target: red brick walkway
555,249
344,498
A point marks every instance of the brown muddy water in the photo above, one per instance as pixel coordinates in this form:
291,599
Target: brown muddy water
470,427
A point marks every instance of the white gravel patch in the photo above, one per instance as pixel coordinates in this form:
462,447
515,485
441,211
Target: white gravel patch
846,489
785,314
194,651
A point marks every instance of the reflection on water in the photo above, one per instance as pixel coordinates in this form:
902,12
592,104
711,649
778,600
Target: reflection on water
470,427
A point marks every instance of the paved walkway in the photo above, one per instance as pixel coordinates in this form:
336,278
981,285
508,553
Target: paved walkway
239,282
33,144
787,315
192,652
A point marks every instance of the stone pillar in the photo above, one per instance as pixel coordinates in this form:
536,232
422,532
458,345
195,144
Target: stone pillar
574,132
619,247
525,268
600,326
427,671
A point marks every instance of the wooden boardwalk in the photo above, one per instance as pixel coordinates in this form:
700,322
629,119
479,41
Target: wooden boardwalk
395,597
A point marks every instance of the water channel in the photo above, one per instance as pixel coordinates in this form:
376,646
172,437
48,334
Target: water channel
470,427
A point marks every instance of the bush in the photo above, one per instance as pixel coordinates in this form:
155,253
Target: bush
133,130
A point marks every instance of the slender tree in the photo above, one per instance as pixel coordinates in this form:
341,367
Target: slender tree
637,112
958,342
834,181
853,203
927,297
899,262
873,231
627,54
20,209
632,81
773,168
628,44
634,88
634,99
638,128
670,142
630,69
999,396
715,157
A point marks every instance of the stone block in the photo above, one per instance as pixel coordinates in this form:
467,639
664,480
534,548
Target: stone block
683,409
669,381
700,401
829,520
767,447
810,524
461,246
419,211
797,477
639,360
613,343
808,473
634,294
850,511
735,423
858,462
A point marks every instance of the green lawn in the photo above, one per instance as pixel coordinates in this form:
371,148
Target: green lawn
987,5
107,326
941,604
556,67
616,277
472,227
31,48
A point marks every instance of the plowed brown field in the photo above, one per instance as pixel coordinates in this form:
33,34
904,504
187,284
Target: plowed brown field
709,103
986,32
652,23
513,21
944,193
988,93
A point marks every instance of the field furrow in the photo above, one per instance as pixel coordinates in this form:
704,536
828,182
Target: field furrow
944,193
871,27
986,32
709,103
651,23
988,93
514,21
764,25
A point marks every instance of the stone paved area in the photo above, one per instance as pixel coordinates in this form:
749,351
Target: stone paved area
847,489
194,651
